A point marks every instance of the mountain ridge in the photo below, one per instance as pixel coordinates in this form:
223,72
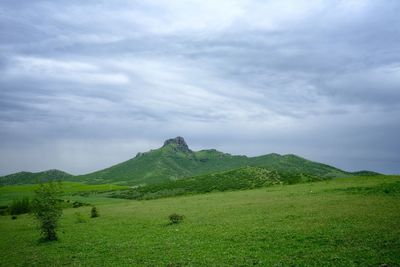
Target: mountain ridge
24,177
175,160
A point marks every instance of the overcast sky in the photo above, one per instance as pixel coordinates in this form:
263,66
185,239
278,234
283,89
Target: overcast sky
87,84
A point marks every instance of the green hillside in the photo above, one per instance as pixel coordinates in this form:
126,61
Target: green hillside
170,162
174,160
294,164
243,178
34,177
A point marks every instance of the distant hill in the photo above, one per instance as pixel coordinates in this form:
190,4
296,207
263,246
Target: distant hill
172,161
175,160
34,177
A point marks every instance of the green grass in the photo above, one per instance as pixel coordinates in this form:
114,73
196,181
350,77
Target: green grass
10,192
315,224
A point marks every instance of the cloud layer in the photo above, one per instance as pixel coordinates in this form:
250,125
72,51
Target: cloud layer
84,85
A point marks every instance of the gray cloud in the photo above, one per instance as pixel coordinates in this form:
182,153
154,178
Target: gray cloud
85,85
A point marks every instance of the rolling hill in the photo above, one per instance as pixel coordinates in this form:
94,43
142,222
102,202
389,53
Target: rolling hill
34,177
175,160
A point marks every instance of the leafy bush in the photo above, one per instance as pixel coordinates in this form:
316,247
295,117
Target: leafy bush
94,213
14,217
175,218
47,209
20,206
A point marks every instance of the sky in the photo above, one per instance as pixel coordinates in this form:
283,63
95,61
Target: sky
88,84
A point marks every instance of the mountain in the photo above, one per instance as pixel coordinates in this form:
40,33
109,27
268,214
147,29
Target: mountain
34,177
175,160
172,161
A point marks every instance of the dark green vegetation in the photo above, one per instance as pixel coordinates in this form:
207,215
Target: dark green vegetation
243,178
19,206
337,222
47,209
175,218
385,189
175,160
35,177
94,213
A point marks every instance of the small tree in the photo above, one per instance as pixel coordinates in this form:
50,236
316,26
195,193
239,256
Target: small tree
94,213
47,209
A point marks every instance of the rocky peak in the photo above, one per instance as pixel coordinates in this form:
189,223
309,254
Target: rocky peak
178,142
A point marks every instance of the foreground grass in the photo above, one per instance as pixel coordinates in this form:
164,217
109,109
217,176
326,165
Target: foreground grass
329,223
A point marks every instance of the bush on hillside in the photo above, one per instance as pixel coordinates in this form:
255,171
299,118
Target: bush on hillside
94,213
175,218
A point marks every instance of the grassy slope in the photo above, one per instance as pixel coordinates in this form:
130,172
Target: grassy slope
164,164
295,164
329,223
34,177
10,192
173,161
237,179
168,163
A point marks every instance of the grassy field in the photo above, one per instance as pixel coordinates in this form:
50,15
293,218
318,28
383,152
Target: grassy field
10,192
341,222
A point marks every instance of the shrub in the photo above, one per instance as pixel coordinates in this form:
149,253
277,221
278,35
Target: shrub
47,209
14,217
175,218
20,206
3,210
94,213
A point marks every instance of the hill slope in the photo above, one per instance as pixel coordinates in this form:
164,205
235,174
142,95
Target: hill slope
175,160
172,161
242,178
34,177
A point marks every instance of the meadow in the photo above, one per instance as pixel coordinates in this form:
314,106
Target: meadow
340,222
10,192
